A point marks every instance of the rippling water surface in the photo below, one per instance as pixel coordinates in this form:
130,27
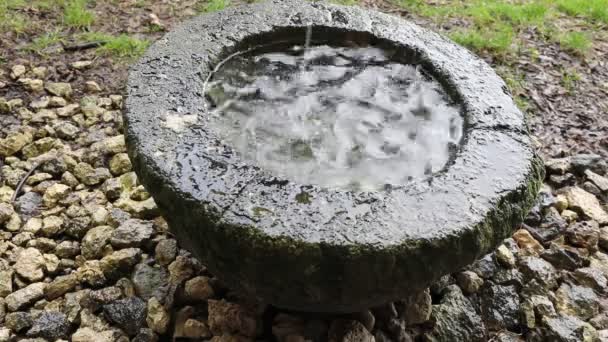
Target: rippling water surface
347,118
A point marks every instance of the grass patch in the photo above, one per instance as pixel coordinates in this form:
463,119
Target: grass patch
48,5
44,41
517,86
10,19
76,14
122,46
577,42
495,24
596,10
213,6
345,2
496,39
570,79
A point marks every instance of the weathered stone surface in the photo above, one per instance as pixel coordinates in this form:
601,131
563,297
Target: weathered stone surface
349,331
587,204
30,264
95,240
158,318
311,247
51,326
225,317
500,307
568,329
578,301
89,335
129,314
540,270
150,281
132,233
455,319
60,286
25,296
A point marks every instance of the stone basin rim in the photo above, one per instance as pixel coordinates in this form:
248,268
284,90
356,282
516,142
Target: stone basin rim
500,115
421,231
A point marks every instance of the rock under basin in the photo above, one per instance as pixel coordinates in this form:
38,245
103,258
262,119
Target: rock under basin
308,246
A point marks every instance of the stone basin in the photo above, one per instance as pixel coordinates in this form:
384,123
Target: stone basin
311,248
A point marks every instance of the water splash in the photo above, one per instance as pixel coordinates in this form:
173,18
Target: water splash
350,118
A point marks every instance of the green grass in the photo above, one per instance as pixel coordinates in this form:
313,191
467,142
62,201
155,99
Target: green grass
496,24
213,5
494,39
10,19
519,15
576,42
517,86
122,46
42,42
48,5
345,2
76,14
596,10
569,80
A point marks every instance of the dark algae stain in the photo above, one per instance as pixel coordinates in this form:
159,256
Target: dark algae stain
303,197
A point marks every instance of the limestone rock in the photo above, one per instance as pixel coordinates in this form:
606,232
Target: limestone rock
14,142
226,317
119,263
195,329
60,286
576,301
505,256
349,331
59,89
469,281
54,193
91,273
25,296
132,233
569,329
17,71
66,130
52,225
587,204
599,181
30,264
584,234
95,240
90,335
539,270
455,319
591,277
150,281
166,251
198,289
534,308
120,164
158,318
417,308
527,242
89,175
6,283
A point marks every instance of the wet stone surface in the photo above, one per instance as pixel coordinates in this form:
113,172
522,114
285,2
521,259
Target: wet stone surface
333,116
242,209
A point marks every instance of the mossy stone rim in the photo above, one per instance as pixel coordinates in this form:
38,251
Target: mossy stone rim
304,247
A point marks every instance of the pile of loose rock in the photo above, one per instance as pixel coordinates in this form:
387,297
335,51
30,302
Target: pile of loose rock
84,255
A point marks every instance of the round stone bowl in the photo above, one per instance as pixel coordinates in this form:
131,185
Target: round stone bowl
300,246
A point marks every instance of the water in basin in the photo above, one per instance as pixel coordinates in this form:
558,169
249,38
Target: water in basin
339,117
